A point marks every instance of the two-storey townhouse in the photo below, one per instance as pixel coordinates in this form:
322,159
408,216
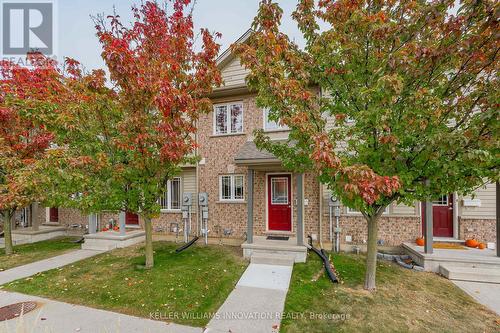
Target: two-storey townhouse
252,196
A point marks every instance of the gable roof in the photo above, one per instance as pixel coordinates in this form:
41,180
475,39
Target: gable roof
228,55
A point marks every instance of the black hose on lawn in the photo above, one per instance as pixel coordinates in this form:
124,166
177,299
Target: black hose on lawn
185,246
326,262
78,241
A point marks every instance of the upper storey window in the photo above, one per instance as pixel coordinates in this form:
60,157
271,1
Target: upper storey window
228,118
271,125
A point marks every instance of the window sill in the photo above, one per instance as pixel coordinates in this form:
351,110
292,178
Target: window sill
170,211
231,202
359,214
278,130
228,134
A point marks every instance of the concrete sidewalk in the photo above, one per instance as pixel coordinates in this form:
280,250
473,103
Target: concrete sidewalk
488,294
27,270
257,302
58,317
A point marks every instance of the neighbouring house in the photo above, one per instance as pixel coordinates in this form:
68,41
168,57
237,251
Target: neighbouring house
251,195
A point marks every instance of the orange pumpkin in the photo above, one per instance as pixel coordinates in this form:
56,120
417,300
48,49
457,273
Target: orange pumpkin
420,241
481,246
471,243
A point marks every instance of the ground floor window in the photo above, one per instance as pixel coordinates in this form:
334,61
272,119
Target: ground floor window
231,187
171,198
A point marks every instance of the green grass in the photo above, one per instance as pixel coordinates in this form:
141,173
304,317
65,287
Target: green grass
196,281
28,253
405,301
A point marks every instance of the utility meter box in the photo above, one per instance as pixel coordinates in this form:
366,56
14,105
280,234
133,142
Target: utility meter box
204,213
203,199
334,201
187,199
185,212
336,211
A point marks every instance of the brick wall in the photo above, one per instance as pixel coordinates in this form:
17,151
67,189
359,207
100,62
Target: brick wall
393,230
218,153
484,230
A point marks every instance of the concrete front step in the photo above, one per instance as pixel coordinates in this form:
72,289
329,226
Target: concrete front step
110,240
448,240
471,273
272,259
263,246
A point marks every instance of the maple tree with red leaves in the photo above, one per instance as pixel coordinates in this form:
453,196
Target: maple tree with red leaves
389,101
24,139
142,129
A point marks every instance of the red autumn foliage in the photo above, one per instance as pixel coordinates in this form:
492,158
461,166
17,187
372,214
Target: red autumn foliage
155,66
23,138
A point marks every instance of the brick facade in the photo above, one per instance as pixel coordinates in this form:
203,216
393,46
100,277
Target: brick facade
393,230
484,230
217,154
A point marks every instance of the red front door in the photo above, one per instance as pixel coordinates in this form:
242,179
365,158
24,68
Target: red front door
53,214
131,219
442,216
279,202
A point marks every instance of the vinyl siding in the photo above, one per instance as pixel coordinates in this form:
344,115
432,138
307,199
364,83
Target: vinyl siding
189,180
488,204
234,73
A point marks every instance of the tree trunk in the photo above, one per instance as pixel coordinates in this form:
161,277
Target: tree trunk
371,257
34,216
149,242
7,229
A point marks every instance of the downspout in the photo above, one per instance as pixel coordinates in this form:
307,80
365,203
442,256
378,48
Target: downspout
320,215
197,187
320,203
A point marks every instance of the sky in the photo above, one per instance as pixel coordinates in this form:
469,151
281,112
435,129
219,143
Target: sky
76,32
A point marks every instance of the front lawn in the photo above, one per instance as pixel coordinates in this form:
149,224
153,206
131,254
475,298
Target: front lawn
182,288
405,301
28,253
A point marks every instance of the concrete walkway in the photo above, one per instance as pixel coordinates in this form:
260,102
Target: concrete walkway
58,317
257,302
488,294
45,265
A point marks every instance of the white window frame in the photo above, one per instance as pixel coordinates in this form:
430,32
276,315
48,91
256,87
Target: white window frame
232,188
351,211
169,196
228,118
273,179
266,121
438,202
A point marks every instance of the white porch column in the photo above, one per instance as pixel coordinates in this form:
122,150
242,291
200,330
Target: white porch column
300,209
250,176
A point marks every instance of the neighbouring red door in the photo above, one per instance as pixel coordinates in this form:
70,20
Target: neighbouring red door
442,216
53,214
131,219
279,202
